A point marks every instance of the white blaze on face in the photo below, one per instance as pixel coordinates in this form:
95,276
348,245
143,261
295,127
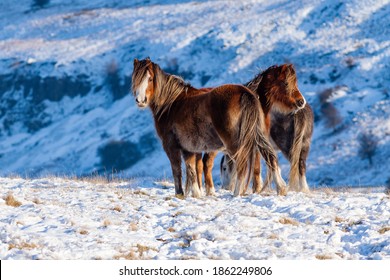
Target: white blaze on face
140,96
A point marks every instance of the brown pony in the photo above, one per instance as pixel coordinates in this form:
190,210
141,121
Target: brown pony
189,121
288,122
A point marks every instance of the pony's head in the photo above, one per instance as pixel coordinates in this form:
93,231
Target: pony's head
279,84
226,168
143,82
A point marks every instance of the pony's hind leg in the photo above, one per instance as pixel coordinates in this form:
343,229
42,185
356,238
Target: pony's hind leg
257,181
191,178
199,170
294,177
208,163
273,166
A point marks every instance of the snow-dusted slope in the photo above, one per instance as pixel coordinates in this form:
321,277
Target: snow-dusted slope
52,218
89,46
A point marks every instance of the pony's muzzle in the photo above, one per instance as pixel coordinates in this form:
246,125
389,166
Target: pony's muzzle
141,103
300,103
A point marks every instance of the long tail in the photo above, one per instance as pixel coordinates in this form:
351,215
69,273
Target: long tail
295,152
270,158
247,143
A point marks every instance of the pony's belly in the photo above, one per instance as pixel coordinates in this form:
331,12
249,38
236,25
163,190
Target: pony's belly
202,144
199,140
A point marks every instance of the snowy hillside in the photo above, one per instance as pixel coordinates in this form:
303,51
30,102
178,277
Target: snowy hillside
65,73
54,218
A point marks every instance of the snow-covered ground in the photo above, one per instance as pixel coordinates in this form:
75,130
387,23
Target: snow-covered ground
57,218
341,53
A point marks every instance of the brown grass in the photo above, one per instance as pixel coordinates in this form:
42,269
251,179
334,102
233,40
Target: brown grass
117,208
288,221
273,236
337,219
22,246
323,257
133,226
129,256
11,201
383,230
171,229
83,232
106,223
136,254
141,192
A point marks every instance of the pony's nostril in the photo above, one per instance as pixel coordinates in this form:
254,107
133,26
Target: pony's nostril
300,103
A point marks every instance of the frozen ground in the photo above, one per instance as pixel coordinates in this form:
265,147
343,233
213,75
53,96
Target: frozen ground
55,218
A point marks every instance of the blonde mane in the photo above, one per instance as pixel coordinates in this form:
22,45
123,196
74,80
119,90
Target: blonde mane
168,88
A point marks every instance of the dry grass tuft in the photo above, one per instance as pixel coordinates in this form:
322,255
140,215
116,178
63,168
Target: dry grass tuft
83,232
141,192
383,230
142,249
117,208
22,246
11,201
129,256
288,221
133,226
323,257
106,223
136,254
339,220
171,229
273,236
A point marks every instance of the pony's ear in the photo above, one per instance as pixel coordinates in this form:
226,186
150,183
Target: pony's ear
135,61
147,59
291,68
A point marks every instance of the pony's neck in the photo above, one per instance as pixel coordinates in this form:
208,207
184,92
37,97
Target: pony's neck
169,89
264,100
255,86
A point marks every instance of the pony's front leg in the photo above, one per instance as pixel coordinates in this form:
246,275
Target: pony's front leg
174,157
191,178
208,163
199,169
304,187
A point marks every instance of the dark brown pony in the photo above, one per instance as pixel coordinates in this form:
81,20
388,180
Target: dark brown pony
190,121
288,123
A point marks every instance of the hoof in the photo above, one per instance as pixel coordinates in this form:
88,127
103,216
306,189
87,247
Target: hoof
282,191
180,196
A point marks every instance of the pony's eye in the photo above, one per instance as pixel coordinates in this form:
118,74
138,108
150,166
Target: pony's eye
150,79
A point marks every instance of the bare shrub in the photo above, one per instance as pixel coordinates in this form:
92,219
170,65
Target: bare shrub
328,110
368,144
11,201
117,84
